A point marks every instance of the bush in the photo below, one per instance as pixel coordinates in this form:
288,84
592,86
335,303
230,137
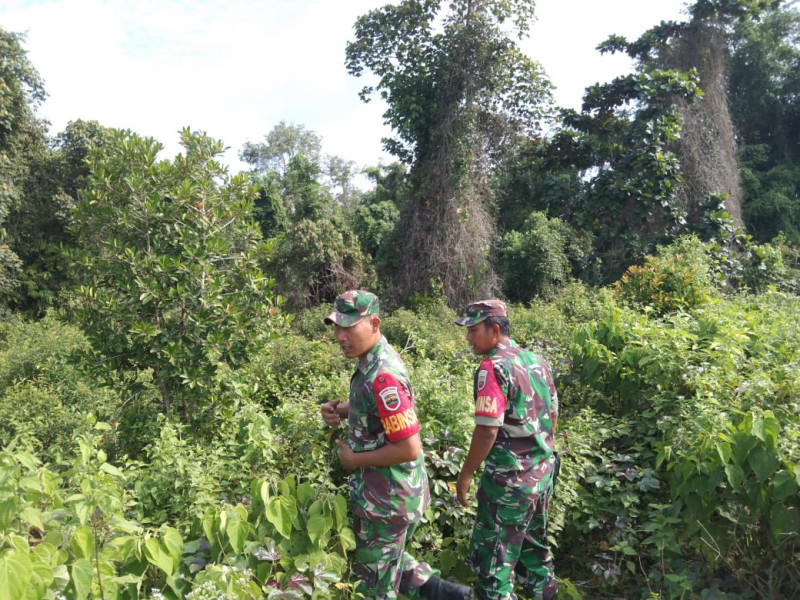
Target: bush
294,366
429,331
677,278
536,260
43,395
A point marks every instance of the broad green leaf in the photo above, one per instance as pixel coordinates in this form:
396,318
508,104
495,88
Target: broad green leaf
281,511
724,451
735,475
742,444
82,578
157,556
783,486
60,577
82,543
317,508
8,512
84,510
15,575
340,511
317,526
784,521
32,516
348,539
237,532
305,493
179,585
763,462
30,483
173,544
262,491
45,553
41,578
767,429
26,459
286,486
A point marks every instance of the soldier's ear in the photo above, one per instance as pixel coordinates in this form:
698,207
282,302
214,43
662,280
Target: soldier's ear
375,321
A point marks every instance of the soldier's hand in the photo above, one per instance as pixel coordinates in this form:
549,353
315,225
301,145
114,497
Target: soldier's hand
329,413
346,456
462,487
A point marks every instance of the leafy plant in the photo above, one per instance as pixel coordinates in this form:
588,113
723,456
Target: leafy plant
171,288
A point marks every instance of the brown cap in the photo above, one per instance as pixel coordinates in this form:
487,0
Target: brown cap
478,311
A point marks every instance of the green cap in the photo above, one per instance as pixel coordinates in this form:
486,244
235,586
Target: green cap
478,311
352,306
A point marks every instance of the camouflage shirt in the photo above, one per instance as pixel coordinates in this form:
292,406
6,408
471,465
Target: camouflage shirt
515,392
382,411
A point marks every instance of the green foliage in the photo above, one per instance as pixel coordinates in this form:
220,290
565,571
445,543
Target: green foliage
741,264
457,87
171,283
677,278
268,208
762,79
21,139
44,397
630,201
428,331
292,365
68,532
283,143
537,259
704,405
315,260
374,224
37,226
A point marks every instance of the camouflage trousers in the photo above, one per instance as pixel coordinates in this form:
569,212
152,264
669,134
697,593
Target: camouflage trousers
509,541
382,564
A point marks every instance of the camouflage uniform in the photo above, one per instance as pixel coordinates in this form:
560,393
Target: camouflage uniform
514,391
387,501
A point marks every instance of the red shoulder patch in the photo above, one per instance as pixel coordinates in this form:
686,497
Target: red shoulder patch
395,408
490,401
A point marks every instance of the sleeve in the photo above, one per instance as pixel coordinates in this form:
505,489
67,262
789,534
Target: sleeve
550,385
395,408
490,401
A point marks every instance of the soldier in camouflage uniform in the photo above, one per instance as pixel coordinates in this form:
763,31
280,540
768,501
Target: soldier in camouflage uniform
388,482
516,410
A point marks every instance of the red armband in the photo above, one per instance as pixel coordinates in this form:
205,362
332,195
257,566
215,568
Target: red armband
394,408
490,401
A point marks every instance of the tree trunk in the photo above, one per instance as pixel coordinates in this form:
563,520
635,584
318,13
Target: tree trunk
707,146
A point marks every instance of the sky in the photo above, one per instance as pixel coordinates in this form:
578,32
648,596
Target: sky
236,68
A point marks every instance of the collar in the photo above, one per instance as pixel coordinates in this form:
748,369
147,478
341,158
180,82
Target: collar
504,345
373,356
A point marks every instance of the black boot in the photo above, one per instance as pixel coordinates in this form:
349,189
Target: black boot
437,588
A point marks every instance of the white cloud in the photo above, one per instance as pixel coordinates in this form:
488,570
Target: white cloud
236,68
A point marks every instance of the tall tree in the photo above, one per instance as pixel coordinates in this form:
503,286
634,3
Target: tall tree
280,146
458,89
22,139
764,88
656,147
37,226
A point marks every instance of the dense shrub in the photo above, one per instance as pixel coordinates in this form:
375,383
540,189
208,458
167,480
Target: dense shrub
43,395
677,278
706,437
539,258
428,331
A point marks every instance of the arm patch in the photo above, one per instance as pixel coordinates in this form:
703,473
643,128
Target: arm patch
394,408
490,401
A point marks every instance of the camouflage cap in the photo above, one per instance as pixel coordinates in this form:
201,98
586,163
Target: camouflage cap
478,311
350,307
